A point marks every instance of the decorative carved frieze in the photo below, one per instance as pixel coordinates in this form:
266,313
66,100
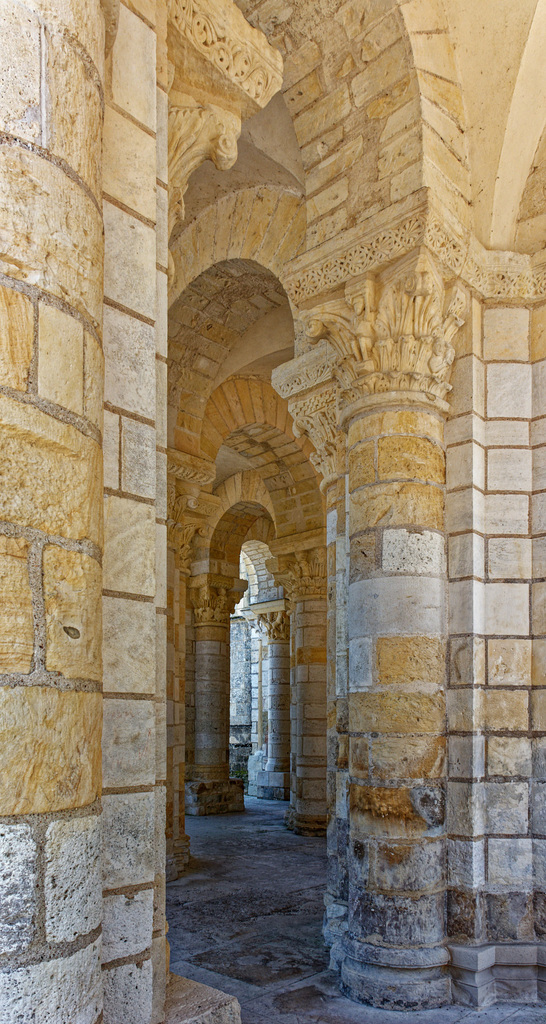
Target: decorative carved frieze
190,468
305,371
302,574
275,625
238,53
197,132
393,337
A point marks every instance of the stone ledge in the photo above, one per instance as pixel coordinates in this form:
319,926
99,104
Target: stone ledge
188,1002
484,975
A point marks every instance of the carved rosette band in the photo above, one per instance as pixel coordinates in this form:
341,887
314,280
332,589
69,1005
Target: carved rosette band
301,575
275,625
394,337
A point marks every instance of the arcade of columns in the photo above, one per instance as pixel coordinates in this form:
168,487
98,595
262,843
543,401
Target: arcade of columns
412,569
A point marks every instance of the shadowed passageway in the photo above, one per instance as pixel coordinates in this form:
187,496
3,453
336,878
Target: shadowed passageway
246,918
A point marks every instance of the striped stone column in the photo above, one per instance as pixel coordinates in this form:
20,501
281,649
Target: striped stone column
273,783
209,789
303,577
51,533
392,337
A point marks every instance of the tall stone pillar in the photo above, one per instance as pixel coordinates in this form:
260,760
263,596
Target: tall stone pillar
273,783
51,537
303,577
395,355
209,789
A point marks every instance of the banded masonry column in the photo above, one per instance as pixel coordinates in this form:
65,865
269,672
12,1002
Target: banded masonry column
393,341
51,537
309,384
303,577
273,783
209,789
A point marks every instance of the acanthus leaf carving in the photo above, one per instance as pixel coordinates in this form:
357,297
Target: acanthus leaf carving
275,625
397,337
316,415
301,575
214,601
197,132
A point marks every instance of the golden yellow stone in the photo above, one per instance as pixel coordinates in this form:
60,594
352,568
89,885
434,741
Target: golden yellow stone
410,659
358,757
410,458
395,757
50,749
382,811
16,336
16,626
397,504
396,421
362,464
73,607
397,712
506,709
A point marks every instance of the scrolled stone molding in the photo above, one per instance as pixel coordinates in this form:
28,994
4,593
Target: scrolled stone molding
304,574
197,132
190,468
275,625
316,416
218,32
395,335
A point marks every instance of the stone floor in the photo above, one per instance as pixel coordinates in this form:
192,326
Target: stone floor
246,919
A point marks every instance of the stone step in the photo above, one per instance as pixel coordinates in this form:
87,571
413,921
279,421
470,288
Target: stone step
188,1002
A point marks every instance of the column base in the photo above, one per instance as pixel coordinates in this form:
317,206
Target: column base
273,785
507,973
210,797
397,979
305,824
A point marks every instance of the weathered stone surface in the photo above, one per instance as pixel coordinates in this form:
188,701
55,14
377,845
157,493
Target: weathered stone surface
128,991
16,623
93,381
396,713
128,646
72,878
397,504
127,924
60,358
421,553
412,659
395,757
410,458
127,839
74,129
16,338
50,477
18,877
50,753
51,232
129,348
129,546
70,989
129,164
73,607
128,743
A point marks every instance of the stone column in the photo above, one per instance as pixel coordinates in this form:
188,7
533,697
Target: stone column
303,577
273,783
51,537
209,789
394,361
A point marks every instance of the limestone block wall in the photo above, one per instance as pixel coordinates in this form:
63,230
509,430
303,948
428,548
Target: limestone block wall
134,747
240,696
51,532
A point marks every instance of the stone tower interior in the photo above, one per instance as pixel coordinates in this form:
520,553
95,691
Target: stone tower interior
273,504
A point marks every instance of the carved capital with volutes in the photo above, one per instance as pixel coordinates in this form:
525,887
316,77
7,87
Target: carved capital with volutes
302,574
393,335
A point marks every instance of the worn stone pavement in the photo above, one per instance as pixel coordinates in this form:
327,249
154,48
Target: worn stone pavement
246,918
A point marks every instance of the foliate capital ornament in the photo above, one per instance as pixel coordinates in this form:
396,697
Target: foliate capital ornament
393,336
275,625
301,575
197,132
316,416
180,537
214,601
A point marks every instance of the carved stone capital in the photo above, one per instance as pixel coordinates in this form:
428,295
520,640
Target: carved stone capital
393,335
275,625
179,538
301,575
214,598
316,416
